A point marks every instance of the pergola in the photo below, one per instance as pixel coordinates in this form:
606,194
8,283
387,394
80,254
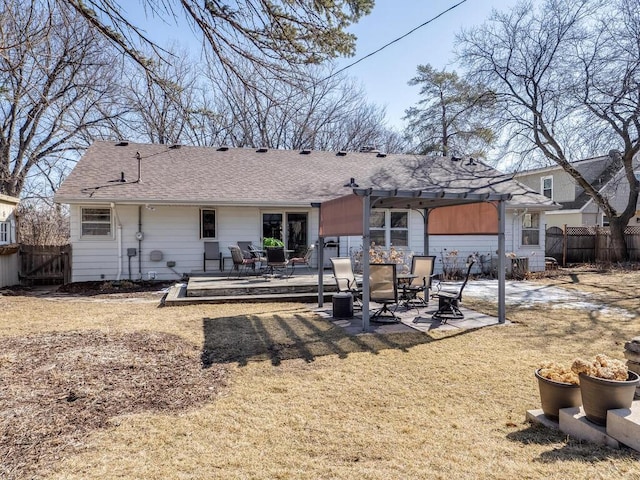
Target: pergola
349,216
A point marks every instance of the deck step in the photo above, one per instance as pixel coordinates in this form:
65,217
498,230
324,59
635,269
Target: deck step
177,296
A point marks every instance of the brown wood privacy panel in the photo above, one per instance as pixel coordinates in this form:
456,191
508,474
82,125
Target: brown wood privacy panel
341,216
475,218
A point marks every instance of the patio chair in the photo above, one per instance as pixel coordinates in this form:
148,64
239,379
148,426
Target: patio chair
276,260
245,247
211,252
303,259
345,279
448,300
383,288
240,264
418,287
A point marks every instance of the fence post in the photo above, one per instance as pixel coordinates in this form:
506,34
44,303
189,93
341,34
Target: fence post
596,245
564,245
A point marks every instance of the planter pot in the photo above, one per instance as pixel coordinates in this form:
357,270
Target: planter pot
557,395
600,395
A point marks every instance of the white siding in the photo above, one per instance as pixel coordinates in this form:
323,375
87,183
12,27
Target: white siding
173,230
482,245
9,265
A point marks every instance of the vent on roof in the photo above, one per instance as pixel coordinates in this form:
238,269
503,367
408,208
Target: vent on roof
223,148
341,153
471,161
351,183
381,155
175,146
122,143
368,149
262,150
455,159
305,151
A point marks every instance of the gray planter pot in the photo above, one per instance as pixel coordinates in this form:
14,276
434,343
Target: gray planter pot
600,395
557,395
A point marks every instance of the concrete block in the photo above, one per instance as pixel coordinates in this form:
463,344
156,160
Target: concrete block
623,424
574,423
537,416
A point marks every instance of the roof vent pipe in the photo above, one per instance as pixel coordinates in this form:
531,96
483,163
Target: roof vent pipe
139,158
262,150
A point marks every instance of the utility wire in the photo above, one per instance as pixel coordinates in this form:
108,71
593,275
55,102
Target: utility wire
397,39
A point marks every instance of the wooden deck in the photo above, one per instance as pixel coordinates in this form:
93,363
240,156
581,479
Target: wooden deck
300,287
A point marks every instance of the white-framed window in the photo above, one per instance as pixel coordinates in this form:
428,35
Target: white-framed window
208,223
389,227
4,232
95,222
531,229
546,187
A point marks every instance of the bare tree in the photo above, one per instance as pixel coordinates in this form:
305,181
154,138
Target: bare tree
272,35
567,76
160,110
303,112
452,115
58,84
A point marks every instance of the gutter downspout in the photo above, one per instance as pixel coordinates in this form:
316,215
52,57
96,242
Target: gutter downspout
139,241
118,241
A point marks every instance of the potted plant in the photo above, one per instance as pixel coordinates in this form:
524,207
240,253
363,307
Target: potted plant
272,242
605,384
559,388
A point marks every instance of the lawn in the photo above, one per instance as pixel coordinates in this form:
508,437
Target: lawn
115,387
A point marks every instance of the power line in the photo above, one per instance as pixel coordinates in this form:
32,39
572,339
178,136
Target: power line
397,39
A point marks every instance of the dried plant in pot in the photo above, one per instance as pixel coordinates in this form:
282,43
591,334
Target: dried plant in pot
559,388
605,384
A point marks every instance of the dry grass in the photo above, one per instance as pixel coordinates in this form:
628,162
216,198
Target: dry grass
304,400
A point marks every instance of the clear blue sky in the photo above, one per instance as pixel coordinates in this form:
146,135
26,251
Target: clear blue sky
384,76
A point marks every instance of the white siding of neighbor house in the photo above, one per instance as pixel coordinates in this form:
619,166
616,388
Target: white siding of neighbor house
564,186
9,265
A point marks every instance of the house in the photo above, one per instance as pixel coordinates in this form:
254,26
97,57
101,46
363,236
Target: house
605,173
141,211
9,258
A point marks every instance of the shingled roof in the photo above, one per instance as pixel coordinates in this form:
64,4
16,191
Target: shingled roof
161,174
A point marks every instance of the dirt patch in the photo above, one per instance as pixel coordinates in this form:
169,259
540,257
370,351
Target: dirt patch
57,388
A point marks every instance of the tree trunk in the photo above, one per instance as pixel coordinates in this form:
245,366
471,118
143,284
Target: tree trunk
619,251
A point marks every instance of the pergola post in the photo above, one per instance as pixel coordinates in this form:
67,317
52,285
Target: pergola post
366,245
501,262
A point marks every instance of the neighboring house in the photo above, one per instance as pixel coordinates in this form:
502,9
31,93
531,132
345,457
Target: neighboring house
9,257
142,211
605,173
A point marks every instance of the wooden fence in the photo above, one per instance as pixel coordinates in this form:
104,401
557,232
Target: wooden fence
587,244
45,265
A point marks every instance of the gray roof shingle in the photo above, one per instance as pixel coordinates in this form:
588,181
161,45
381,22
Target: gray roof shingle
242,176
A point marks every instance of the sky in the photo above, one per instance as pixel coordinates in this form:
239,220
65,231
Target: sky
384,76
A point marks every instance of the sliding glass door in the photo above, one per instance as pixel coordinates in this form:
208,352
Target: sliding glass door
290,227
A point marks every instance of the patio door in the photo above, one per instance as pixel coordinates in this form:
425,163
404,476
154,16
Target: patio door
290,227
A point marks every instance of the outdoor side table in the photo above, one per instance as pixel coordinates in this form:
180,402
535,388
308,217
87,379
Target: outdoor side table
342,305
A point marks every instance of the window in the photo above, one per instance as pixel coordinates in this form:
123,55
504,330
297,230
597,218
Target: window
96,222
547,186
377,228
4,232
208,223
389,228
531,229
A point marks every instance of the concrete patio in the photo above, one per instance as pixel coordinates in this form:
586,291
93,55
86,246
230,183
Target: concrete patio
303,287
